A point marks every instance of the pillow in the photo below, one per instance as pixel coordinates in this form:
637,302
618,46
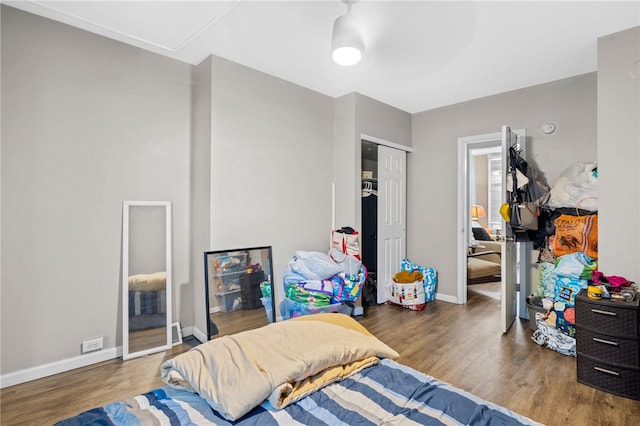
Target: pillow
481,234
236,373
148,282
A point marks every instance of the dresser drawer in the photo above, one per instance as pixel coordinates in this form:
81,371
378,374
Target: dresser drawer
612,350
609,319
617,380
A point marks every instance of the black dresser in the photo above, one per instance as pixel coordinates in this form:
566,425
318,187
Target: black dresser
608,345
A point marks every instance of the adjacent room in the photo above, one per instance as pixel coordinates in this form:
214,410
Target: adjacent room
170,169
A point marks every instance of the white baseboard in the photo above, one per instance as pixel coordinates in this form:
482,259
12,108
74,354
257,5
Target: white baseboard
61,366
446,298
195,332
41,371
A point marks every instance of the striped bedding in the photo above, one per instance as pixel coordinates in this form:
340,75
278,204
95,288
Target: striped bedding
387,393
147,309
147,302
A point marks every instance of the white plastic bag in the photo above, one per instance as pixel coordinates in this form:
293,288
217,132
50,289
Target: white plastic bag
311,265
577,187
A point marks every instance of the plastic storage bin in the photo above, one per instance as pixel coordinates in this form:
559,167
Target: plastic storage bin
224,264
227,283
532,315
225,271
294,309
230,301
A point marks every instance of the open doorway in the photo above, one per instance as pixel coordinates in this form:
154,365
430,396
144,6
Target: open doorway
485,194
482,196
512,269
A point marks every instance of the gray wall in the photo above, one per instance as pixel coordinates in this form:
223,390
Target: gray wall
87,122
346,169
619,154
380,120
432,168
271,166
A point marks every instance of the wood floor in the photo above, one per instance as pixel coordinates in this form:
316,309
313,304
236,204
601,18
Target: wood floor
458,344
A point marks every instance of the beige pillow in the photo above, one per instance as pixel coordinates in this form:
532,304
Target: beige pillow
282,362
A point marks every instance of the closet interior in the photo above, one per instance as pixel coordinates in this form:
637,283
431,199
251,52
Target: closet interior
369,246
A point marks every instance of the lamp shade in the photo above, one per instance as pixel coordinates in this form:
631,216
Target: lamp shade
347,41
477,211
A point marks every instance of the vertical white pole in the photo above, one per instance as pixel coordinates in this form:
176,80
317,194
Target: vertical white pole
333,206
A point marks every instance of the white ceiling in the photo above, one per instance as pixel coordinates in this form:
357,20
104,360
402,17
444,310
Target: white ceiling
419,55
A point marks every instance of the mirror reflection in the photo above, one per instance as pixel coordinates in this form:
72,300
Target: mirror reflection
146,278
239,290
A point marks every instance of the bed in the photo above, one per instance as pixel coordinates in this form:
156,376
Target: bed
316,369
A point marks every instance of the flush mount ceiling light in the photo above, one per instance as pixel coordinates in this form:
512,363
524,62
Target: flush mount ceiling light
347,41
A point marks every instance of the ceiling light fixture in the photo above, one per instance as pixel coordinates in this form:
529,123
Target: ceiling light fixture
347,41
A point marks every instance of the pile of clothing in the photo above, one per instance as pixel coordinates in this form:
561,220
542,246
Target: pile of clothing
568,241
316,282
559,283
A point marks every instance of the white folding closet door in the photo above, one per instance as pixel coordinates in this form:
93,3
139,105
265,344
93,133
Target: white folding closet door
392,215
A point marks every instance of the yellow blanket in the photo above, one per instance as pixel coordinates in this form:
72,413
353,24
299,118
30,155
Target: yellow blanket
282,362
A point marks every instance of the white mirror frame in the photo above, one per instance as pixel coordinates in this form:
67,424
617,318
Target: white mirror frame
125,278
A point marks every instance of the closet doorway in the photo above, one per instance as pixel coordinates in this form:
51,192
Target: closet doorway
383,214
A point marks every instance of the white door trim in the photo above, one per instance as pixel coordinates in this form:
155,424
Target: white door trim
373,139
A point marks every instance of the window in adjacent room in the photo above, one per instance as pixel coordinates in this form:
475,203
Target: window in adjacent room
495,191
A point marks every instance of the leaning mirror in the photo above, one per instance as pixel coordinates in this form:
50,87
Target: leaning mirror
146,277
239,290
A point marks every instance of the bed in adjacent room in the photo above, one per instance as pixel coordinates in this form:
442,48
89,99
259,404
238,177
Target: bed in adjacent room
316,369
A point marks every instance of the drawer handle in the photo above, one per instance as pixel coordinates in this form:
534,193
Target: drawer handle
608,342
599,311
604,370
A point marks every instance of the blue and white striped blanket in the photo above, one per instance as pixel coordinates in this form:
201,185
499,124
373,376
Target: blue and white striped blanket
388,393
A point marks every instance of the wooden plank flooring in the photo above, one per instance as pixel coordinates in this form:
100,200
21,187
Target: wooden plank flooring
458,344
